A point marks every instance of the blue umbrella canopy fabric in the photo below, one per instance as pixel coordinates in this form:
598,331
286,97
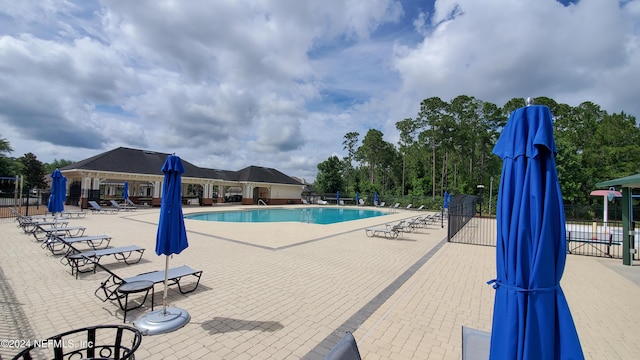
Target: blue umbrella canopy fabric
357,198
531,317
446,200
58,192
125,193
375,198
172,235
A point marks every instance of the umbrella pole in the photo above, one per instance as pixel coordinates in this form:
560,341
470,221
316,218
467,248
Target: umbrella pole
166,280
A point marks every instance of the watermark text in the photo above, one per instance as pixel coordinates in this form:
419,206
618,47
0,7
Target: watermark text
44,343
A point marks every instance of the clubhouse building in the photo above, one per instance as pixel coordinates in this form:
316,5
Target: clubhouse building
102,177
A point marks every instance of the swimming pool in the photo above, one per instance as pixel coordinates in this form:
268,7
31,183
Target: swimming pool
315,215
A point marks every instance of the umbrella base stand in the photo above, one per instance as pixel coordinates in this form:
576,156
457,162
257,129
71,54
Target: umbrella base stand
157,322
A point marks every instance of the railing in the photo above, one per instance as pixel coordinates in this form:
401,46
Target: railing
477,231
260,202
597,238
461,210
7,215
590,238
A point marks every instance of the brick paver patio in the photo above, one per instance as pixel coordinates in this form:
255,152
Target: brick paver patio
290,290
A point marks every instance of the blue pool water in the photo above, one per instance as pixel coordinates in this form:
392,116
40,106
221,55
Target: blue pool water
316,215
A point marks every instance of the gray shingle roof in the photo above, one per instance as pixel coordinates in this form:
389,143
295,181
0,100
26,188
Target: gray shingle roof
262,174
127,160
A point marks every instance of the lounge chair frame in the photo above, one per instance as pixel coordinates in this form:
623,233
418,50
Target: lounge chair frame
108,289
74,214
131,203
390,231
66,231
97,209
122,207
382,232
66,245
30,226
85,261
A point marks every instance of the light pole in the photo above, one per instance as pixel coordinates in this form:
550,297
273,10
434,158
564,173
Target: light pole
480,188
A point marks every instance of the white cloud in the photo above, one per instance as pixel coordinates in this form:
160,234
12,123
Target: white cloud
227,84
499,51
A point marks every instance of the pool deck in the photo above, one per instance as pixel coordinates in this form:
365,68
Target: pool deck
289,290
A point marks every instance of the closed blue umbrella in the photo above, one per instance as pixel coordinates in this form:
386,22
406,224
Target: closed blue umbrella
446,200
172,235
171,239
338,197
125,193
531,318
58,192
357,198
375,198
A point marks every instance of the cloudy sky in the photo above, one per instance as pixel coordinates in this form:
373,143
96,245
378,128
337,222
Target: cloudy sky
230,83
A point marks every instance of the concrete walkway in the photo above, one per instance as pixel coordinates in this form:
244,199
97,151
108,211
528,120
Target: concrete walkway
289,291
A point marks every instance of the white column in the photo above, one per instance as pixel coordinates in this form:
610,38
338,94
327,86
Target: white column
86,184
246,191
157,189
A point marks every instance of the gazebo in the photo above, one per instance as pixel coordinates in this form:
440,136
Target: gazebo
627,184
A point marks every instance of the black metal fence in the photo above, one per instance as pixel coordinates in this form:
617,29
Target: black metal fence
461,210
597,238
29,203
590,238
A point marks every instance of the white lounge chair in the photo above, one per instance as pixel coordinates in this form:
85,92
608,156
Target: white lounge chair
389,231
403,226
418,222
380,231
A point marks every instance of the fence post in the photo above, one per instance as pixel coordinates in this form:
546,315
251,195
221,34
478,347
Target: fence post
27,209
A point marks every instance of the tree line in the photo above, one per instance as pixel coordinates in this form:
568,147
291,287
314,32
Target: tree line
448,147
33,171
